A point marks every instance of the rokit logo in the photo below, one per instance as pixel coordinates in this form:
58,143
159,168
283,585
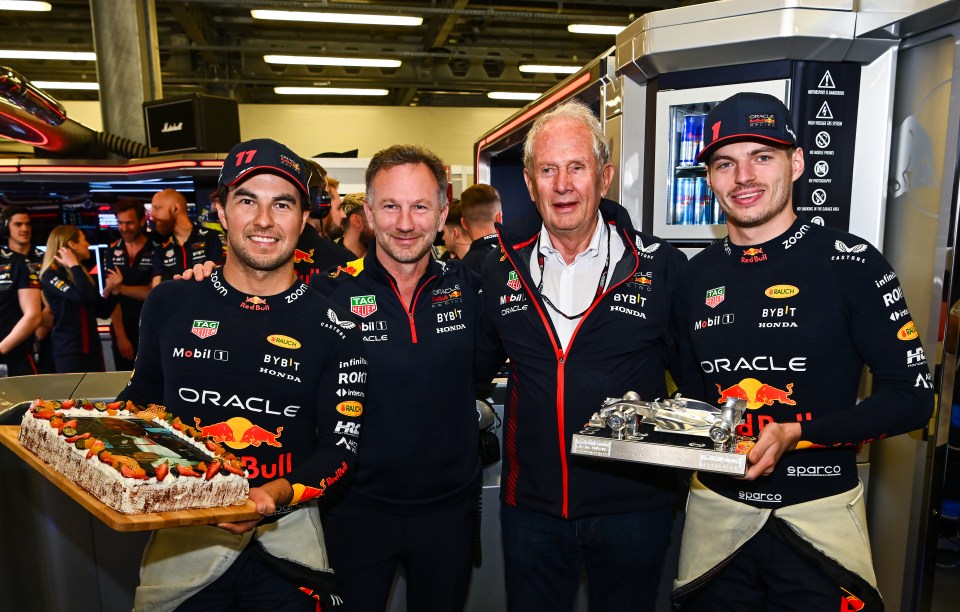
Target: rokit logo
214,354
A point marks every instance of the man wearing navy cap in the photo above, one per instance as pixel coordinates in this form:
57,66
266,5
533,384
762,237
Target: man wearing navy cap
784,314
275,358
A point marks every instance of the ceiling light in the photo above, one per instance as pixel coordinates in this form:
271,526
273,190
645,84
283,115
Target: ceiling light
329,91
541,68
349,18
583,28
512,95
24,5
66,85
88,56
304,60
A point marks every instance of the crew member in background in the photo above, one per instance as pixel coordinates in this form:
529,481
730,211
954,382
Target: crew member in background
579,301
356,231
455,238
74,301
481,210
414,499
293,365
333,223
131,260
186,244
18,232
20,302
795,311
315,254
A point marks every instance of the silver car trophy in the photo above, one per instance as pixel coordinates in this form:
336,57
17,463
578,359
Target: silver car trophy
667,432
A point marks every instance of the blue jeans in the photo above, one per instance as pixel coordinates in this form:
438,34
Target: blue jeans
623,554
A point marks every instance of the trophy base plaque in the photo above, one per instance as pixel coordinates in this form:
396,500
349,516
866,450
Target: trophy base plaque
656,448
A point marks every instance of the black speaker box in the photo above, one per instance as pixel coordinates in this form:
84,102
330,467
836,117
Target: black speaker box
197,122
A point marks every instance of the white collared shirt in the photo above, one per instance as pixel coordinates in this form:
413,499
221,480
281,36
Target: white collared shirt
573,287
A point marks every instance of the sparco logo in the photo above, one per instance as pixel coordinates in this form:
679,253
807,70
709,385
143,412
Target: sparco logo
813,470
764,498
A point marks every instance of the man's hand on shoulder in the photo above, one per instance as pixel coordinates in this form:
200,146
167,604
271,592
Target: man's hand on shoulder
774,440
198,272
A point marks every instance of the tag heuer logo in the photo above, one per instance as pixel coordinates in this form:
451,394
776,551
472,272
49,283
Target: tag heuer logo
205,329
363,305
513,280
715,296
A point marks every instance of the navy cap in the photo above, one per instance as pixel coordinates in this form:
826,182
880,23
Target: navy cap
746,116
263,155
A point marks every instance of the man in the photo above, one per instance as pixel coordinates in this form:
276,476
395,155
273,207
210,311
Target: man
315,254
356,231
481,210
455,238
333,223
270,355
131,259
186,244
19,295
579,301
797,311
414,498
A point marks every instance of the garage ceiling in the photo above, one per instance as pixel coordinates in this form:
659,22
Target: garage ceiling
463,49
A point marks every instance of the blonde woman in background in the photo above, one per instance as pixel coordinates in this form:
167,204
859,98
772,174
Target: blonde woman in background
74,300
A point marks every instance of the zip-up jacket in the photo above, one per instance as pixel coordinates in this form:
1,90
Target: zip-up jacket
479,249
619,345
420,430
136,270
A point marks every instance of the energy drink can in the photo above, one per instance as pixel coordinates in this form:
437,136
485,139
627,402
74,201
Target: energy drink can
690,140
684,200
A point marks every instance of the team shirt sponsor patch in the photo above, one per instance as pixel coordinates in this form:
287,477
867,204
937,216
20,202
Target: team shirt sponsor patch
513,280
204,329
363,305
715,296
283,341
781,292
336,320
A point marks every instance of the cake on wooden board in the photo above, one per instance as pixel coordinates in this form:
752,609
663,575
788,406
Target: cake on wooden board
133,460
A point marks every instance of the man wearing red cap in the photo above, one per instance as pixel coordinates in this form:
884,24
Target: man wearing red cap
799,310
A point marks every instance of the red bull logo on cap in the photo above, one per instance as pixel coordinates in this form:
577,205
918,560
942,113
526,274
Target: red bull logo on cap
756,393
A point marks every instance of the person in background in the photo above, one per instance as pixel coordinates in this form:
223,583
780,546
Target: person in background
356,231
798,310
131,260
20,302
455,238
333,223
579,301
314,253
18,232
186,244
74,301
481,210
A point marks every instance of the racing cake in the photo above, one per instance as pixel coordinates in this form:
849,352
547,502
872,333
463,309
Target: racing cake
131,459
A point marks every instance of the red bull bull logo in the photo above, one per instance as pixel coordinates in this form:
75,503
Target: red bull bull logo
239,432
753,255
303,256
756,393
255,302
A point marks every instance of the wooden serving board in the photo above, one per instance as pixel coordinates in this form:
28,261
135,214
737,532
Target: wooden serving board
117,520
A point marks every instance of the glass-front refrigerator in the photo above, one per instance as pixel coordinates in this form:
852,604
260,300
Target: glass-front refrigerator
684,207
